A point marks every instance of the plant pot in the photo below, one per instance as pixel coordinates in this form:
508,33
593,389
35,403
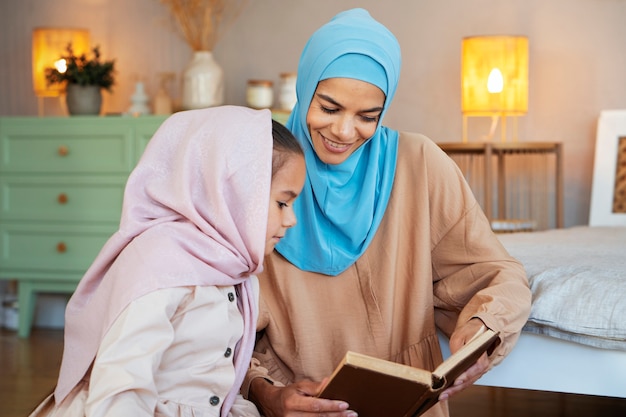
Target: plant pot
83,100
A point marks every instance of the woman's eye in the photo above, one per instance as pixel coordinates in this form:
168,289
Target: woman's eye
328,110
370,119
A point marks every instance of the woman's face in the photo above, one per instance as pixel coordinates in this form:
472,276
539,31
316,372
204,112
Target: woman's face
287,184
343,114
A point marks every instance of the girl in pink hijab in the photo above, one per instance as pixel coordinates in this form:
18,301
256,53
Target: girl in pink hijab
163,322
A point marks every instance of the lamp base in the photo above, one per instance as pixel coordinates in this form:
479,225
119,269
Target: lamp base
495,118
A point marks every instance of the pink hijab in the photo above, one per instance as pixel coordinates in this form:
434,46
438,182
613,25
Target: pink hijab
195,213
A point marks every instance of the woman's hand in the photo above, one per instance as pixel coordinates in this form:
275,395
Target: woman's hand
297,399
460,337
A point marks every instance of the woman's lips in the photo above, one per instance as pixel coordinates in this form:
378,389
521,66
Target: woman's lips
335,147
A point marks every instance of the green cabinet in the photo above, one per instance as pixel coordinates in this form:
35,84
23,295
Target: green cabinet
61,189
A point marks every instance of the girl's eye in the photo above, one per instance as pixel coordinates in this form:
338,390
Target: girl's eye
282,204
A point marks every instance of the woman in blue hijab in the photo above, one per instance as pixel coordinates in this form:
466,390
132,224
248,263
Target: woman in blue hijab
390,242
344,202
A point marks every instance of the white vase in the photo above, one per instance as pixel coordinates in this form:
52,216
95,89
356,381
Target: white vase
203,82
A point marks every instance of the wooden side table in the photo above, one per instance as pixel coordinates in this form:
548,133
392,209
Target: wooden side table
501,152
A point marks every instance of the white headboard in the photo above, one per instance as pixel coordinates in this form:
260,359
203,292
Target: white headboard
605,209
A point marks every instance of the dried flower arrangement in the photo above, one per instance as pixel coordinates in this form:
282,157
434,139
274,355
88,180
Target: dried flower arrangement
201,22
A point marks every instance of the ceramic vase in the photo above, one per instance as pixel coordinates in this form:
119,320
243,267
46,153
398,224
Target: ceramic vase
139,101
203,82
83,100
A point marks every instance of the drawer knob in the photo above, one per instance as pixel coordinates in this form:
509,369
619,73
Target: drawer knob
63,150
62,198
61,247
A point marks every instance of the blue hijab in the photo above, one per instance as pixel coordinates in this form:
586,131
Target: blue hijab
341,206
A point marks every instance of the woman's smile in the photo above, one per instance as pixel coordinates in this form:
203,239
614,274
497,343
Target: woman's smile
335,146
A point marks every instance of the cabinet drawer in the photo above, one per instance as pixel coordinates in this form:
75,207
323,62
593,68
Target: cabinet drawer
143,135
78,150
62,198
26,248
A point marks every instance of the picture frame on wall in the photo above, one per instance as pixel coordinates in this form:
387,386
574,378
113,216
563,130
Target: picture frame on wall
608,190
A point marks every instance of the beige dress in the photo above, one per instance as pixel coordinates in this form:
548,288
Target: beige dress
433,261
168,354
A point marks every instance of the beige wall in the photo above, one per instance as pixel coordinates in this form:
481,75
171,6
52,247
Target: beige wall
577,59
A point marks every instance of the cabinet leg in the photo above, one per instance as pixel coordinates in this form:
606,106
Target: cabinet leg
26,299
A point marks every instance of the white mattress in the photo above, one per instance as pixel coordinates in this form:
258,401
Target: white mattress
548,364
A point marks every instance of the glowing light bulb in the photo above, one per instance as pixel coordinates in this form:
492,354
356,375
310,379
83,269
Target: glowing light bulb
60,65
495,82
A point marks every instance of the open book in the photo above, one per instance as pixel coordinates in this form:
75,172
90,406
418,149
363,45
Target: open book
376,387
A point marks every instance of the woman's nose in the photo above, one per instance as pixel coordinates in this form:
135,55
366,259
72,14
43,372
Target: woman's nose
344,127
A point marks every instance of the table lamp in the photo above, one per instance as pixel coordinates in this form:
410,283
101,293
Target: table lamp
494,80
49,44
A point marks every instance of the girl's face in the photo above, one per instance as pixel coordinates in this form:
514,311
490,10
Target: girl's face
287,184
343,114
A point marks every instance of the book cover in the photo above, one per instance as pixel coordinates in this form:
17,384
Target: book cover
375,387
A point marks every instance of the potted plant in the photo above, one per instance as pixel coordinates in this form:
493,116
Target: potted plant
84,78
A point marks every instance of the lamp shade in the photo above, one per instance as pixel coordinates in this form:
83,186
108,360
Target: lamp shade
494,71
49,44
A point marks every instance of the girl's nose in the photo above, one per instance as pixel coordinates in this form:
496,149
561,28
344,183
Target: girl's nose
289,218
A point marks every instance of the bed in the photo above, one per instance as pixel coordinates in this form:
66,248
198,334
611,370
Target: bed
575,338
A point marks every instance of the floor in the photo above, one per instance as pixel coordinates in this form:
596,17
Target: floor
29,367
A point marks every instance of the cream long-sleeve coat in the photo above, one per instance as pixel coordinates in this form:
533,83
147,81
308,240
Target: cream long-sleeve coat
433,262
169,353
